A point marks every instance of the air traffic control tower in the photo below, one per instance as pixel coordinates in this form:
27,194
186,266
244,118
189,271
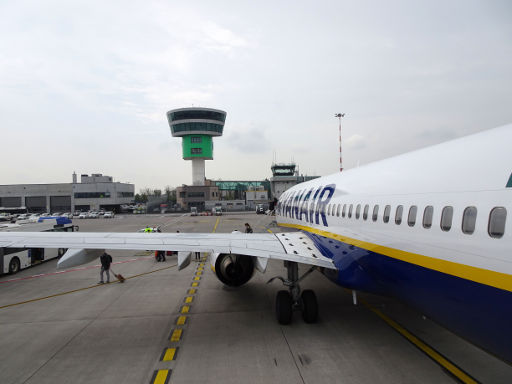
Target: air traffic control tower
197,126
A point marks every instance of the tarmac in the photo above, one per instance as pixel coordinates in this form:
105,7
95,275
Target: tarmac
168,326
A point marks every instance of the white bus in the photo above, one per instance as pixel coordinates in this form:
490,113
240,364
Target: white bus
13,260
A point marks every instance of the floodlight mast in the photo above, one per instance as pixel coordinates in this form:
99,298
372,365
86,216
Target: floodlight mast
339,116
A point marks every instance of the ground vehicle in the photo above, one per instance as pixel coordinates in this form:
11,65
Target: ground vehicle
193,211
5,217
12,260
217,211
82,215
260,209
93,215
108,215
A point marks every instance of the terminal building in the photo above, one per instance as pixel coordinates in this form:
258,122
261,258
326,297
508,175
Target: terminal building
93,192
230,195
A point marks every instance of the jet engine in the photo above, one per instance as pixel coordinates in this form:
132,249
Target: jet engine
233,270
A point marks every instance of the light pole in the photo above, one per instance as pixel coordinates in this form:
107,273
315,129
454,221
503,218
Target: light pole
339,116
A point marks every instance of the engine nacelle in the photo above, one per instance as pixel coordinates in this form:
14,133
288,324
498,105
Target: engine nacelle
233,270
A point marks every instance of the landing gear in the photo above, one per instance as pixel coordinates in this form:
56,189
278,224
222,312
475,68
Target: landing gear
284,307
293,300
309,306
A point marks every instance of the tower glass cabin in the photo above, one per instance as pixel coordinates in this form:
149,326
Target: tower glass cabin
197,127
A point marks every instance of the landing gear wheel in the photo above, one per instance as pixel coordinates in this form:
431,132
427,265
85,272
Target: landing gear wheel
284,307
14,266
309,306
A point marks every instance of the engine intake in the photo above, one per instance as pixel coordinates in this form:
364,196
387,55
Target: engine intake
234,270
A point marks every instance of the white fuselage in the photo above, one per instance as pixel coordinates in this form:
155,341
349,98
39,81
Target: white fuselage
447,258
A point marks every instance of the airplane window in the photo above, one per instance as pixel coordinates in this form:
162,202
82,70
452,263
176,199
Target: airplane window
411,220
365,212
358,211
344,210
338,210
428,213
446,218
350,211
375,213
469,220
387,211
497,220
329,210
398,214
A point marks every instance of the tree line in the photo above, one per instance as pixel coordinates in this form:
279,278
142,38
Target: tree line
144,194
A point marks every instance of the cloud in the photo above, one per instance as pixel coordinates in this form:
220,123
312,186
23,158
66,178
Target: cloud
355,142
249,141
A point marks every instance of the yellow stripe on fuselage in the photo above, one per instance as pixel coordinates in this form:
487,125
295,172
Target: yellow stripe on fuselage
478,275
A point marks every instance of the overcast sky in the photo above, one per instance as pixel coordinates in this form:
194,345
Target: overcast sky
85,85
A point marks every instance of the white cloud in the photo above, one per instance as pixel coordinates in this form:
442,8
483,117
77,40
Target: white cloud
88,74
355,142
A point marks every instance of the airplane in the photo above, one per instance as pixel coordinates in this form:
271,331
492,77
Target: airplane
427,227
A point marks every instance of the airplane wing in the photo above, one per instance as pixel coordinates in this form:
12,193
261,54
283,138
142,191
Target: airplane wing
291,246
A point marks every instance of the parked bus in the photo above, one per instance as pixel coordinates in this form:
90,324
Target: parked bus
13,260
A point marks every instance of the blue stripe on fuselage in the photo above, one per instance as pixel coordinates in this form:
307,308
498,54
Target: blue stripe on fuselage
477,312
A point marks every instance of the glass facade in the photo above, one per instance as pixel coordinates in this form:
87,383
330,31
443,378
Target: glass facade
197,127
242,185
196,114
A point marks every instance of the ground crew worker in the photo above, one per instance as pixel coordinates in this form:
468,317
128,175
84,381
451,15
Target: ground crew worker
106,260
248,228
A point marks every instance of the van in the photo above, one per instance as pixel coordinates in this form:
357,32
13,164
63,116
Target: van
217,211
193,211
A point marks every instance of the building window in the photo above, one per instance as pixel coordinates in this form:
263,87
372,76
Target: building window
387,212
411,219
196,151
428,213
195,194
446,218
358,211
375,214
92,195
398,214
124,194
497,219
469,220
195,139
365,212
